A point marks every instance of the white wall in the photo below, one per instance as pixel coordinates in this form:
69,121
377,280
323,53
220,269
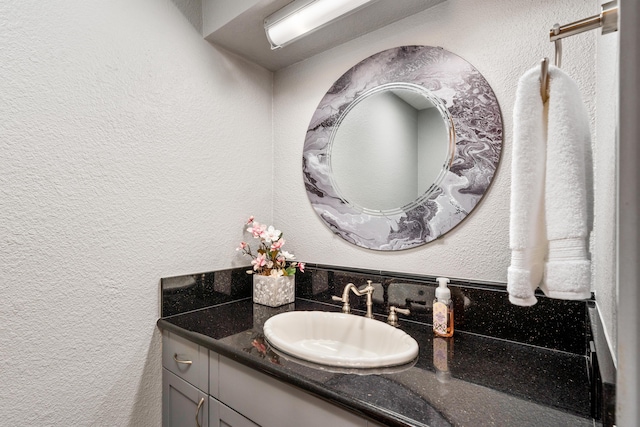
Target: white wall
502,38
131,150
603,242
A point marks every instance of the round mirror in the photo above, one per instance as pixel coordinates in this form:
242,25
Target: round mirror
390,128
402,148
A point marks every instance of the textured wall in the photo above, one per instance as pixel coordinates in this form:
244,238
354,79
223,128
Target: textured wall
127,155
501,38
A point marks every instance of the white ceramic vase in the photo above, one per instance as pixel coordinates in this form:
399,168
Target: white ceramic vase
273,291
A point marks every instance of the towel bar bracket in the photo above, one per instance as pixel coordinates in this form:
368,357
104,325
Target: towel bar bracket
607,20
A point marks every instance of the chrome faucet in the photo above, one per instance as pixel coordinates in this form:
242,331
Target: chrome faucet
366,290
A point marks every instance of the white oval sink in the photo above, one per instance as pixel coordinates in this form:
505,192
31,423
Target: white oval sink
338,339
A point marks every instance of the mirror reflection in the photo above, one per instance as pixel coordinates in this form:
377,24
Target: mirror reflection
390,148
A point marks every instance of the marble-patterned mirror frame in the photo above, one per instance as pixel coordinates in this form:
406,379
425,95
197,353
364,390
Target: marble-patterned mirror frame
477,123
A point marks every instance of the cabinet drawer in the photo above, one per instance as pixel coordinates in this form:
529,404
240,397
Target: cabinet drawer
186,359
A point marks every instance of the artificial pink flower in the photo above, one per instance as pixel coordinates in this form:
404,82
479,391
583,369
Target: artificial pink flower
277,245
257,230
259,261
271,259
301,267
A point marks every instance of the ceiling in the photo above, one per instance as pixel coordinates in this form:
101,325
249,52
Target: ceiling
245,34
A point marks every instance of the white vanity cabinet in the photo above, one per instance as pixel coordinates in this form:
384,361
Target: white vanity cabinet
215,391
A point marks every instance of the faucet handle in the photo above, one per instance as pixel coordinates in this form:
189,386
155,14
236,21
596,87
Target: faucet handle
393,317
346,308
369,285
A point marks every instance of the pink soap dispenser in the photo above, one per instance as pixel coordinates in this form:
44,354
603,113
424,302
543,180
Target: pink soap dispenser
443,309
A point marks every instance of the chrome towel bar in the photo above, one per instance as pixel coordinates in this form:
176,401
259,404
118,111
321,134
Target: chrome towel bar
607,19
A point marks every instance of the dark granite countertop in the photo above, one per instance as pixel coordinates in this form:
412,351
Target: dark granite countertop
467,380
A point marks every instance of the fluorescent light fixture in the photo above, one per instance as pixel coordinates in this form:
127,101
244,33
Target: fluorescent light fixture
301,17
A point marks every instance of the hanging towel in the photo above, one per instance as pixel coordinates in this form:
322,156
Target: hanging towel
568,269
549,222
527,234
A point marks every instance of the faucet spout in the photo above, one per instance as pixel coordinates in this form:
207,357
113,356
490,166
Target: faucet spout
367,290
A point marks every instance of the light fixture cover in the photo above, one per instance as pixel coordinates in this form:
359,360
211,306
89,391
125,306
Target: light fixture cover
301,17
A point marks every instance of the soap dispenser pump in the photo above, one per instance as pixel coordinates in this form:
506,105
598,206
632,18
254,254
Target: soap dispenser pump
443,309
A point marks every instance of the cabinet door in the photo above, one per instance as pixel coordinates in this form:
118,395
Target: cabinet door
220,415
183,405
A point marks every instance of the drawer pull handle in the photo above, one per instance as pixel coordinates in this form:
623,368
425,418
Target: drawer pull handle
184,362
198,411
